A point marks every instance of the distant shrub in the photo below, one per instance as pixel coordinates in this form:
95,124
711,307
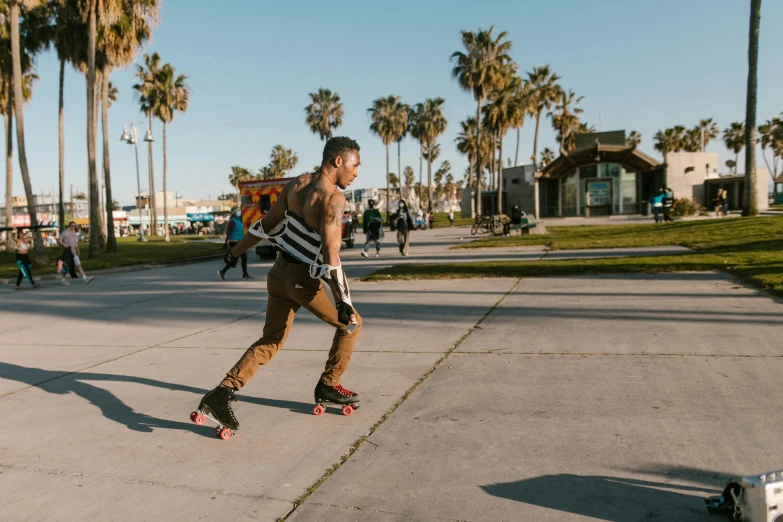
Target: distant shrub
686,207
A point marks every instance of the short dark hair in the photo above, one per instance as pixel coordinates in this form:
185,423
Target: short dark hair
71,223
338,146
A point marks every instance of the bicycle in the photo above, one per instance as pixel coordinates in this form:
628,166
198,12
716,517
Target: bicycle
482,224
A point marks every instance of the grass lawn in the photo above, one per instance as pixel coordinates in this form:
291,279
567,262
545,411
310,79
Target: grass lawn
130,252
748,248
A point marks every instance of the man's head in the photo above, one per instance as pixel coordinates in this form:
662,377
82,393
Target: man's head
341,160
371,203
72,226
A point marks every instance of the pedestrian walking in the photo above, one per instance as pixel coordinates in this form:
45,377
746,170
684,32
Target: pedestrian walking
372,225
657,205
234,233
404,225
305,224
69,240
451,218
667,203
23,261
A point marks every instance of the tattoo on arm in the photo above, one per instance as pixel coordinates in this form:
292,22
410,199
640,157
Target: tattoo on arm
335,211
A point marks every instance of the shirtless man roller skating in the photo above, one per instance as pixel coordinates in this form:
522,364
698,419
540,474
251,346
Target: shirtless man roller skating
305,226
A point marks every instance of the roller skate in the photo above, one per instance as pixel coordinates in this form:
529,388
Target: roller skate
216,406
334,395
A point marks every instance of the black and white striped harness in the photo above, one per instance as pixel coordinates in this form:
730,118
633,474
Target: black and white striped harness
297,239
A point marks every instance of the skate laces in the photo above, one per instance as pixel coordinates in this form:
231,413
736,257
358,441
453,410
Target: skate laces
342,391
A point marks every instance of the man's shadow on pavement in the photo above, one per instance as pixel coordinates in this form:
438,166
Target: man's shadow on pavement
608,498
63,382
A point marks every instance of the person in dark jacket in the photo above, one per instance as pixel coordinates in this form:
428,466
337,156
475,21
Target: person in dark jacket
234,233
404,224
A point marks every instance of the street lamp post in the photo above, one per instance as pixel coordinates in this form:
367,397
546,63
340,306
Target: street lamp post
131,138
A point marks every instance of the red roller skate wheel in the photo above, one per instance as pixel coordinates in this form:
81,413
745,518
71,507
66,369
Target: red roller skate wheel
224,433
199,419
347,409
193,416
318,410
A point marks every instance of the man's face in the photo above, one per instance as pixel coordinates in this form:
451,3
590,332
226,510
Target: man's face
72,227
347,168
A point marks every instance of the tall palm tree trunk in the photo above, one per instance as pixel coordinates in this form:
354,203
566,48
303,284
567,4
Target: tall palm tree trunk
8,120
61,146
736,163
535,141
94,187
388,202
151,195
16,58
399,166
478,157
516,154
165,199
750,206
491,180
429,176
111,239
421,173
500,178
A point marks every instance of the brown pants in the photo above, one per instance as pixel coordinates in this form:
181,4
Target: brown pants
291,287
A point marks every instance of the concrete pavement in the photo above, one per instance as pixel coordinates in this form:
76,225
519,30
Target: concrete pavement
602,398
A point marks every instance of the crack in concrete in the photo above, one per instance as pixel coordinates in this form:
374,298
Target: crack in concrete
109,478
358,444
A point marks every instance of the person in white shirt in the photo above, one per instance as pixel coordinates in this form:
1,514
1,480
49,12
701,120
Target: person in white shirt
70,243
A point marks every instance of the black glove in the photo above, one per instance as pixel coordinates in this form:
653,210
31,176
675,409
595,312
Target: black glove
230,259
344,312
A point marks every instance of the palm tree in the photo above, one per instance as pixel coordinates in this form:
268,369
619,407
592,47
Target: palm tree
394,181
32,45
564,119
734,139
7,109
409,176
481,69
171,95
692,140
324,113
68,26
117,46
750,206
432,124
708,131
389,121
547,157
147,75
633,139
771,136
281,161
500,115
414,130
665,142
467,144
405,111
238,175
544,92
520,110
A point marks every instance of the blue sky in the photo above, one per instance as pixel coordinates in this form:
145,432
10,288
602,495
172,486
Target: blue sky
643,65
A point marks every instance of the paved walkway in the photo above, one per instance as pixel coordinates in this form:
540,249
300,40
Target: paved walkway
601,398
